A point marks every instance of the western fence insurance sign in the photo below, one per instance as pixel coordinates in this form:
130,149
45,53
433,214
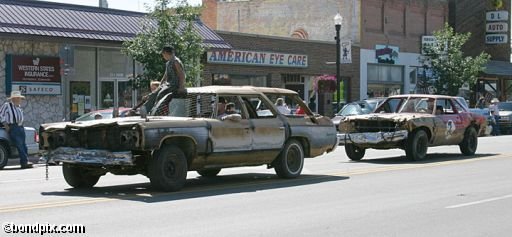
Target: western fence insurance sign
257,58
34,74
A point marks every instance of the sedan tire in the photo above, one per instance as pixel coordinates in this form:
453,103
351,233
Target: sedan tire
470,143
417,145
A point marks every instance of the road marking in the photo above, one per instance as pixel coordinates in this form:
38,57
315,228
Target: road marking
34,206
480,202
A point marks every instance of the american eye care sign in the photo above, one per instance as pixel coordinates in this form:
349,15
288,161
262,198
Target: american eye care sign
33,75
257,58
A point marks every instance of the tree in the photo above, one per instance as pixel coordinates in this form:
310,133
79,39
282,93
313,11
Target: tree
164,26
449,65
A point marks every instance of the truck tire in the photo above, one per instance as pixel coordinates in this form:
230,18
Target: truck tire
470,142
167,169
354,152
290,162
78,177
209,172
417,145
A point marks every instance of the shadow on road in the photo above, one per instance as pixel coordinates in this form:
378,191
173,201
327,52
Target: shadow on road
431,158
198,187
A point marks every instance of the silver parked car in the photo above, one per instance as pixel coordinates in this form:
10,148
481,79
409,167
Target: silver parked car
7,150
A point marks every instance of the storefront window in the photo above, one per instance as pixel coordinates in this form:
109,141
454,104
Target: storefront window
384,80
114,64
115,69
81,74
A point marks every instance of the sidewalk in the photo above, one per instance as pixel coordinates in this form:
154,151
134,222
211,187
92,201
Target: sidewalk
16,161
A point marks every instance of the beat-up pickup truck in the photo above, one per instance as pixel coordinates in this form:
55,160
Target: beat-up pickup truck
8,150
206,130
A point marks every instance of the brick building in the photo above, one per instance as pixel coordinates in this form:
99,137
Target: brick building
387,33
471,16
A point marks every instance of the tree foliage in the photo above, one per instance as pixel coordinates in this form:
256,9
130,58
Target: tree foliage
167,26
450,67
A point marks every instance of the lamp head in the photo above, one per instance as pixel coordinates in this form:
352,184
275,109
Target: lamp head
338,20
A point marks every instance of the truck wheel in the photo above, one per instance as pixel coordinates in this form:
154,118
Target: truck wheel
291,160
4,156
78,177
167,169
209,172
354,152
417,145
470,142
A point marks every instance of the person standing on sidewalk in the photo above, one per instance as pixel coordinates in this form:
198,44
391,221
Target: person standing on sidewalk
495,112
11,116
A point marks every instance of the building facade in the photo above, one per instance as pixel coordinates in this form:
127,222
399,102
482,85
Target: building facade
67,59
487,22
388,32
282,62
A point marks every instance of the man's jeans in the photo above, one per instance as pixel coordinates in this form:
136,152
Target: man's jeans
17,135
496,128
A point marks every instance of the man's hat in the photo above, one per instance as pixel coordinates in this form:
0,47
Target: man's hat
16,94
495,100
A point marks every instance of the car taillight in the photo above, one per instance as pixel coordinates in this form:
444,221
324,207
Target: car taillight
36,137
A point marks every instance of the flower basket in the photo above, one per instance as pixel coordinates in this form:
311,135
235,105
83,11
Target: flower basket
325,84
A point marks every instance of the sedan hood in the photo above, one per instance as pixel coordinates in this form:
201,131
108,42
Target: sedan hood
389,116
505,113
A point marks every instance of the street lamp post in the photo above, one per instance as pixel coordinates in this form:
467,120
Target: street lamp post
338,20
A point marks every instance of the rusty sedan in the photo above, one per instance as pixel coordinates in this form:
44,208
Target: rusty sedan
209,129
413,123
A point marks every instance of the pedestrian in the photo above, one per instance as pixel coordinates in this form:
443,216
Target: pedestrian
282,107
481,103
11,116
495,113
98,116
300,110
312,104
153,86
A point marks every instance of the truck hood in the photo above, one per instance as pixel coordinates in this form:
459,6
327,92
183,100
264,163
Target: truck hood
152,121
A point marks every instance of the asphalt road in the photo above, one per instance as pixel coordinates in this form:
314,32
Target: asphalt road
383,195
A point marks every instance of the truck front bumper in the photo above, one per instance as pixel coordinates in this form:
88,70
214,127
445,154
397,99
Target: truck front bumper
91,156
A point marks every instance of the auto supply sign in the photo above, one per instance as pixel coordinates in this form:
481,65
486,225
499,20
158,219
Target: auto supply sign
33,75
496,27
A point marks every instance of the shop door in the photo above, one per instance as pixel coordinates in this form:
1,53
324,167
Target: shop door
115,93
80,97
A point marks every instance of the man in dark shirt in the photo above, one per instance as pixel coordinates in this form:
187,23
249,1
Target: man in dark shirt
174,75
173,82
